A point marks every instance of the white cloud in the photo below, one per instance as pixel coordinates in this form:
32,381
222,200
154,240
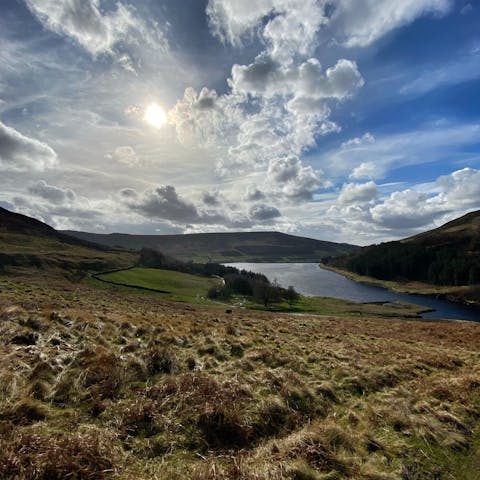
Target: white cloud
279,104
365,170
284,169
365,139
96,31
405,212
358,23
406,209
308,81
298,182
19,152
460,189
358,193
206,118
291,27
125,155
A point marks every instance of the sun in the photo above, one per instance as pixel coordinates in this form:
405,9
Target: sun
155,116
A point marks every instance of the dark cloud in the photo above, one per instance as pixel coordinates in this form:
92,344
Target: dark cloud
51,193
211,199
163,203
253,194
264,212
19,152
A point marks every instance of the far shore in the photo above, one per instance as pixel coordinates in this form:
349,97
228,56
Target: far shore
466,295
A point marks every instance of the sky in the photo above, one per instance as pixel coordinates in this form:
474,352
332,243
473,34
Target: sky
345,120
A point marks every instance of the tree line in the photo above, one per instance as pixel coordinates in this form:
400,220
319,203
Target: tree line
439,265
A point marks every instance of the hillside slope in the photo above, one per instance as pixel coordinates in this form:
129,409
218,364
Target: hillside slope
113,386
27,242
221,247
447,256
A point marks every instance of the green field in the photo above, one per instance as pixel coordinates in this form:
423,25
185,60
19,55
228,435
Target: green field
181,287
344,308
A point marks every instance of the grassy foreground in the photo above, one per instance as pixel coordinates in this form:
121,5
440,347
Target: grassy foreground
103,385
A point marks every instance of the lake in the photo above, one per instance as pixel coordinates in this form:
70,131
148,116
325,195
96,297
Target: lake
311,280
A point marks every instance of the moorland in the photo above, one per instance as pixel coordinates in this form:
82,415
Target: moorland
106,380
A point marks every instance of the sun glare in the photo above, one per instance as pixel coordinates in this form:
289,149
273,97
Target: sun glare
155,116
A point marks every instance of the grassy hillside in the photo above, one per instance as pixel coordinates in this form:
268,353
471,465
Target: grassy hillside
172,285
223,247
26,242
446,256
109,385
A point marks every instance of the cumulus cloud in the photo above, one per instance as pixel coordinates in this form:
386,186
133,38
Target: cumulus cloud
284,169
365,170
405,212
277,105
306,81
291,26
52,193
19,152
205,117
96,31
358,193
298,182
406,209
460,189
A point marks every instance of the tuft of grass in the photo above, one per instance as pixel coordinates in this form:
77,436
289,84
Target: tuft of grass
33,454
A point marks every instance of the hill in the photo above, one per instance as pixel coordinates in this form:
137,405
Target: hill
448,256
223,247
27,242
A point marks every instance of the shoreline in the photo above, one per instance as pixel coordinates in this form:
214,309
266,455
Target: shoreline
450,293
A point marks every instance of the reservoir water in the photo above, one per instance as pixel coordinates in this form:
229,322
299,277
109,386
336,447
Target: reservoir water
311,280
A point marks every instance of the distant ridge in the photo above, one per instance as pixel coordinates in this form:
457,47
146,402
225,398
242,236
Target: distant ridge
226,247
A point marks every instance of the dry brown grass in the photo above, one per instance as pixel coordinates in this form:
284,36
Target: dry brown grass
134,387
